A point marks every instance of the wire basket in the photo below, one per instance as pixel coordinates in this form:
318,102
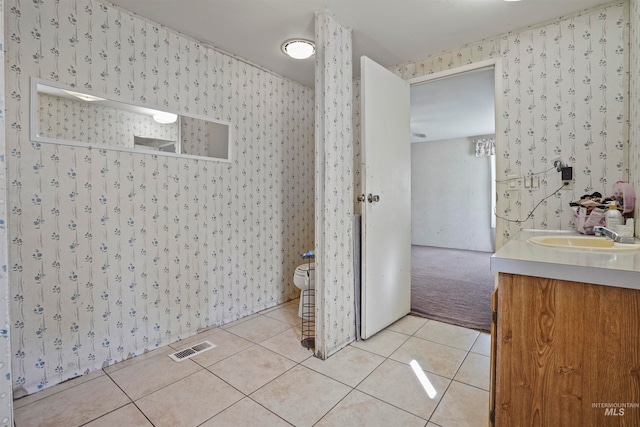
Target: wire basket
308,297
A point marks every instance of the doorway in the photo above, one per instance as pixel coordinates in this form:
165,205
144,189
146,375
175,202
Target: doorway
453,194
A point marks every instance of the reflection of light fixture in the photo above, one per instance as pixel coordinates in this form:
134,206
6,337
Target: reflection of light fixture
164,118
422,377
299,48
84,96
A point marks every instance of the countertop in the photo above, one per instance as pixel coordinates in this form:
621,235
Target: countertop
518,256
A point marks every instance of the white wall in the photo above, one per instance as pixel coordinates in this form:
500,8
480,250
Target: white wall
112,254
451,196
285,90
335,310
6,393
564,92
634,100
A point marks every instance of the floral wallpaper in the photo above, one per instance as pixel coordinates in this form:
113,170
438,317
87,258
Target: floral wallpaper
335,309
634,107
131,125
111,253
195,137
202,138
62,118
6,393
564,95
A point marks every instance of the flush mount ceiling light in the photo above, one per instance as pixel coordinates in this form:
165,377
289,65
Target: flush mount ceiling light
299,48
165,118
84,96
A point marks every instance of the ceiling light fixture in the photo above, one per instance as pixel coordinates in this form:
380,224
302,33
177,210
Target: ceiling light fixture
165,118
299,48
84,96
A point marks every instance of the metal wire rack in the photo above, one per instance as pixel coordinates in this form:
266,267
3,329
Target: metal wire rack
308,298
308,318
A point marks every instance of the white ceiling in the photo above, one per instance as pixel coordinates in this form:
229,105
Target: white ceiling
454,107
388,31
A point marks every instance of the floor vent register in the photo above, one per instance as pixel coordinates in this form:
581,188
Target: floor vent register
189,352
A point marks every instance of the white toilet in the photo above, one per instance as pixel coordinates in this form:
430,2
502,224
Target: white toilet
305,278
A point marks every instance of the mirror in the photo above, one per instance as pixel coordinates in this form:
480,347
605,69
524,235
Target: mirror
66,115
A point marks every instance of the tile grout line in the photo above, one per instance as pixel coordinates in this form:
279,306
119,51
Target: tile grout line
454,375
387,358
164,348
82,383
53,393
451,380
367,376
389,403
224,409
293,367
201,367
449,386
131,401
274,379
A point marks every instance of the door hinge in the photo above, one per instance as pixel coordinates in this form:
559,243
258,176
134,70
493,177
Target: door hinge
494,317
492,416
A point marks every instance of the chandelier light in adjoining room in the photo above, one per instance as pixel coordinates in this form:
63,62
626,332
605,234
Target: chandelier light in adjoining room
299,48
165,118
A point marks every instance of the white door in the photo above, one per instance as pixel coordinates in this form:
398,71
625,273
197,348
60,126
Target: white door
386,210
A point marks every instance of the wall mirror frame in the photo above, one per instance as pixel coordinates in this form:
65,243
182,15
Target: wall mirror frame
71,116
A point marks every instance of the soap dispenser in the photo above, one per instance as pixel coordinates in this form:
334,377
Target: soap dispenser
613,217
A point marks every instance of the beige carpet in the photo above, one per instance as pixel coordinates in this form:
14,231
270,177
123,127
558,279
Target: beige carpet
452,286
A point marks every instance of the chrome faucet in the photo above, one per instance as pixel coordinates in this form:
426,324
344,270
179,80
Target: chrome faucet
600,230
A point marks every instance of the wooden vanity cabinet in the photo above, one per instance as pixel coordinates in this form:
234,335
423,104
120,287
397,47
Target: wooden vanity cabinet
564,354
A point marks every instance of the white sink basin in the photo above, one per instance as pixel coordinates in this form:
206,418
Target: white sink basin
584,243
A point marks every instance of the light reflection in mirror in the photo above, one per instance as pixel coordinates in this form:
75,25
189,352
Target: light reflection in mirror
67,116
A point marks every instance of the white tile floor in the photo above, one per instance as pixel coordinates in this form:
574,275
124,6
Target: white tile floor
259,375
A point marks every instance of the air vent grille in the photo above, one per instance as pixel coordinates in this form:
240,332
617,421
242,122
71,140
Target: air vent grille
189,352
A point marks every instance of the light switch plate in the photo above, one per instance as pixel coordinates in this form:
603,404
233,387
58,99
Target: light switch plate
535,182
513,181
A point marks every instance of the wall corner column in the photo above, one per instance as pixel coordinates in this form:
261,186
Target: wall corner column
6,394
335,311
634,103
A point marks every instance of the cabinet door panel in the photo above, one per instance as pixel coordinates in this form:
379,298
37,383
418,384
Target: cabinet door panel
563,348
494,334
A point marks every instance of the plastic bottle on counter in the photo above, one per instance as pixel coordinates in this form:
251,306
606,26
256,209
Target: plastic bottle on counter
613,217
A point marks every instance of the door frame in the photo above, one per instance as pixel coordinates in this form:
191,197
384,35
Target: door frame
496,64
